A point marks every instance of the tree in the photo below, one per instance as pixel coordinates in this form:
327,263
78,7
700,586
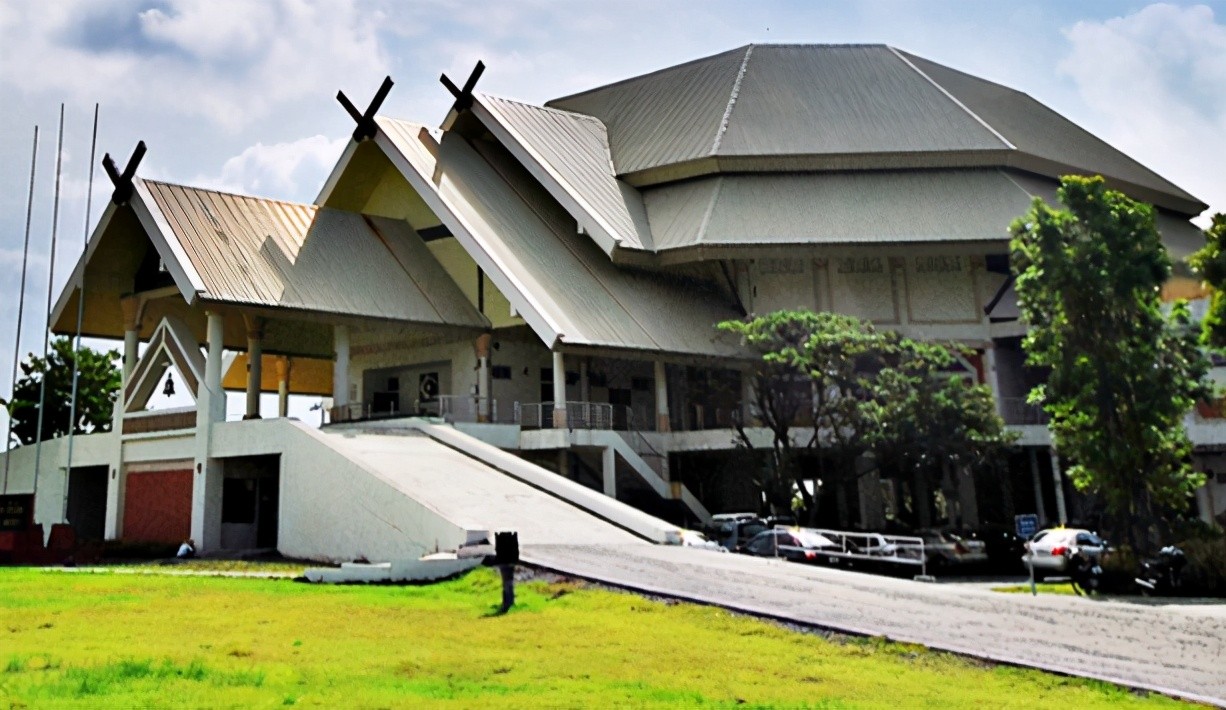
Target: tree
99,379
1122,374
1210,263
853,389
931,422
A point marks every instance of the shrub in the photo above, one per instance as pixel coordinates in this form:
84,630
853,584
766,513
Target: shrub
1205,573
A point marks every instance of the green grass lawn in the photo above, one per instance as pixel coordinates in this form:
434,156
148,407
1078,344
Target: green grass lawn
123,640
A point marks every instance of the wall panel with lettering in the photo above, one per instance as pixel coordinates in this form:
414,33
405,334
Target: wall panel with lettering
781,284
941,289
863,286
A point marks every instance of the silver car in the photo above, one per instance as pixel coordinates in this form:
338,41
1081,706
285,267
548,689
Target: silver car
1050,550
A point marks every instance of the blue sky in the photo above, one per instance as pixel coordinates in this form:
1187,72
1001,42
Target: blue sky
240,95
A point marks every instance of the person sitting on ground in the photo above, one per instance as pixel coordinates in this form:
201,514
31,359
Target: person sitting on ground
187,549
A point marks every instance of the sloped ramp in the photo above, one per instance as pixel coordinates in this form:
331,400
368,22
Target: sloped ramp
396,495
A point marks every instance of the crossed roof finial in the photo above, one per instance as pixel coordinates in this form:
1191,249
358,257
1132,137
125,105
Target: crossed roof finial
123,182
366,127
463,97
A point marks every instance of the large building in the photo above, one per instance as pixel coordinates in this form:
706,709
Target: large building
547,280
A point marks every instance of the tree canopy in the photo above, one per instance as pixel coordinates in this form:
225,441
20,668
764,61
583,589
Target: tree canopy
1210,263
854,390
99,379
1122,373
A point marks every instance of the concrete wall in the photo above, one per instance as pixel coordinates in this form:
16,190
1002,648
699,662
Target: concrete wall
51,496
332,508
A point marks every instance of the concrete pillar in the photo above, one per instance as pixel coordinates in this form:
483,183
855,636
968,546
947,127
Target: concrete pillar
132,308
282,386
1039,508
1058,478
608,466
968,502
872,507
662,419
255,364
340,369
992,376
559,391
482,346
1205,508
585,385
747,397
116,482
207,476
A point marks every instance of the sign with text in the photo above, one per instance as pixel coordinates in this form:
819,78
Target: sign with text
1026,525
16,512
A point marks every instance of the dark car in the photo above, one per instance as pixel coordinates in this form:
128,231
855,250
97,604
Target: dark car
793,545
734,531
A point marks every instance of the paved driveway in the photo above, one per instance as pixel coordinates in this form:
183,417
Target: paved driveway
1173,648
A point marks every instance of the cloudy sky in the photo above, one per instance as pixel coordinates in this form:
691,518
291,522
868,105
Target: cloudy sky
239,95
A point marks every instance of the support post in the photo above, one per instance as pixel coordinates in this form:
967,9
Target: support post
585,385
340,369
559,391
210,410
132,308
482,346
992,376
1057,477
662,420
282,387
255,364
1039,508
608,466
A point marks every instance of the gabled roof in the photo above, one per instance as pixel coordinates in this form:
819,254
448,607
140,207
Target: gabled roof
773,108
568,153
269,254
567,290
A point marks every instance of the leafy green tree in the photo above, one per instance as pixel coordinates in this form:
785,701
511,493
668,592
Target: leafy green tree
931,422
1122,374
99,379
1210,263
830,388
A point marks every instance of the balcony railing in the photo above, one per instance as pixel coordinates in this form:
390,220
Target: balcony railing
579,415
468,408
1018,412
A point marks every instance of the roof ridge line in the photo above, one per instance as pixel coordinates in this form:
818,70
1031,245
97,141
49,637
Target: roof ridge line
538,107
732,97
234,194
952,98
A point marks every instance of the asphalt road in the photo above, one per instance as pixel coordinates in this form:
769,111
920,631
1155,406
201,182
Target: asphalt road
1174,648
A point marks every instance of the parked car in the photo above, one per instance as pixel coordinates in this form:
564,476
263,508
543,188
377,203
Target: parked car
1050,550
693,538
794,545
732,530
947,549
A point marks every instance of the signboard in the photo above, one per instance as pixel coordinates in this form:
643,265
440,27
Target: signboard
1026,525
16,512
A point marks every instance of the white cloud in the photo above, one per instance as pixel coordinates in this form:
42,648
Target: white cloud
227,61
293,170
1155,80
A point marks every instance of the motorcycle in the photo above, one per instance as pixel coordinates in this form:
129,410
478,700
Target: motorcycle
1163,575
1085,572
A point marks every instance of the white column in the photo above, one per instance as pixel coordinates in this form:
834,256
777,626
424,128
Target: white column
210,410
662,420
1058,478
482,346
559,391
131,306
255,365
282,387
992,376
340,370
1039,508
608,465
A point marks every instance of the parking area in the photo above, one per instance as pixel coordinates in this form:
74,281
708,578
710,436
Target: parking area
1173,648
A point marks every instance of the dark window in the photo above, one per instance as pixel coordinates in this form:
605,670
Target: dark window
641,384
500,372
393,384
238,500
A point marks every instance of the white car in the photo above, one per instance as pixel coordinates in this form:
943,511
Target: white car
1049,550
693,538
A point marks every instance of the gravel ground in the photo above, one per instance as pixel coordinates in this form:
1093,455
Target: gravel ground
1174,648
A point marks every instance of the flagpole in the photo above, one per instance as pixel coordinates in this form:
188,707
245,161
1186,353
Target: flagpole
76,350
21,305
55,223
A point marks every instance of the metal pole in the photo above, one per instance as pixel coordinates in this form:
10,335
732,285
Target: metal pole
55,223
76,348
21,305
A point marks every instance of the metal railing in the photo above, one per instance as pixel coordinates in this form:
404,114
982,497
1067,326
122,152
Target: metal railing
579,415
869,547
1017,411
467,408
